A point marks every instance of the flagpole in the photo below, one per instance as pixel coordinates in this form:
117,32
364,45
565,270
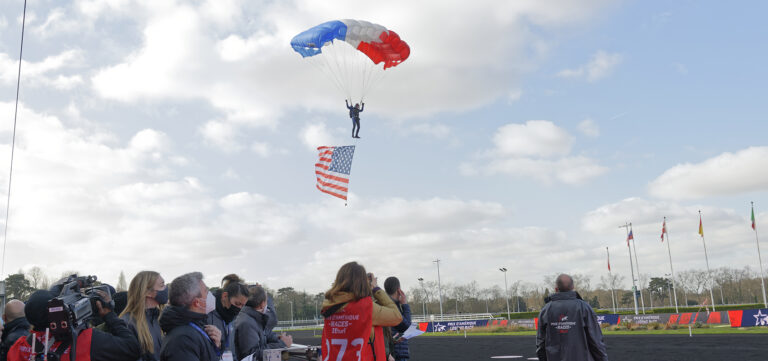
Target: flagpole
669,252
631,268
759,257
610,278
706,258
637,266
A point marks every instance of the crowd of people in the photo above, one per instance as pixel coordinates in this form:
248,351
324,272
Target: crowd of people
187,321
184,320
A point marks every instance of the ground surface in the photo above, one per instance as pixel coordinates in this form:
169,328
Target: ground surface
620,347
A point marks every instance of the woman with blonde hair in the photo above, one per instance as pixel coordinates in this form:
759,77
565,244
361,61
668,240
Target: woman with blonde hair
355,310
147,293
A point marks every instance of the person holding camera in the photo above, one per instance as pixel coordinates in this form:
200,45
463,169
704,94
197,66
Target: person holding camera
146,293
92,344
398,348
187,337
353,321
251,334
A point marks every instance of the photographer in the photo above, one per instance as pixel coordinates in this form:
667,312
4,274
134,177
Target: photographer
15,326
92,344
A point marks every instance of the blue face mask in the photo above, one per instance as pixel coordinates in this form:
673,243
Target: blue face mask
162,296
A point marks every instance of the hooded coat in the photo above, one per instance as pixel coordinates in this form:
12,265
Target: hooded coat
185,338
385,313
153,321
13,331
252,336
568,330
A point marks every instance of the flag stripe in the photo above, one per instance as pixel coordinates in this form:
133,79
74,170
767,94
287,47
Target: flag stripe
332,170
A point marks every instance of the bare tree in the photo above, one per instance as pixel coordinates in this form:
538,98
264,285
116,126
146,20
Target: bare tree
122,286
37,277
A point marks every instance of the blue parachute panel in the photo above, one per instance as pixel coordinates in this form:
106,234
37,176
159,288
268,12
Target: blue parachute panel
309,42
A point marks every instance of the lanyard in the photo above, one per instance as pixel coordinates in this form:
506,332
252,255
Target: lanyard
218,352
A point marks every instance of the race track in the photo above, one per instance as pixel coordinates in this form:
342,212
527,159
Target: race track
623,348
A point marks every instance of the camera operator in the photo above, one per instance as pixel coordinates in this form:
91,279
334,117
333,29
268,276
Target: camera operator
92,344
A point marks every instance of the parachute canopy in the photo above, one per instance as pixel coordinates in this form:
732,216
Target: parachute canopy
354,64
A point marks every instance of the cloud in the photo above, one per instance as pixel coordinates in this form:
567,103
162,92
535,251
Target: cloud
42,73
589,128
729,237
600,66
538,149
725,174
317,134
214,52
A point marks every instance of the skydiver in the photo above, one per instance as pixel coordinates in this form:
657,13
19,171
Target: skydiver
354,113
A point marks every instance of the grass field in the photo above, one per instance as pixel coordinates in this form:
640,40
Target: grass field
680,331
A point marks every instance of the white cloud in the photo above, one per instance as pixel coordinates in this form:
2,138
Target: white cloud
317,134
43,73
725,174
221,135
729,237
600,66
589,128
211,52
538,149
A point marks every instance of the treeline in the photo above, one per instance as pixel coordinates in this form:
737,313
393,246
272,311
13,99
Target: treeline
730,286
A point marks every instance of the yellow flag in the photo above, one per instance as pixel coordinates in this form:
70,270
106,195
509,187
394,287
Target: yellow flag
701,227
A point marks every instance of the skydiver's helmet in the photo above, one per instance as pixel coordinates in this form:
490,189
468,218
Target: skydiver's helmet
357,105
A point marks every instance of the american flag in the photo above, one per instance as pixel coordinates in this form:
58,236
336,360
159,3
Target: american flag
333,169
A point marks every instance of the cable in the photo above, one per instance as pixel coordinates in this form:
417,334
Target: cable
13,141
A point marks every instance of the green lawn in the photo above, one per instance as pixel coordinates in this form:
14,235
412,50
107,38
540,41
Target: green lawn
680,331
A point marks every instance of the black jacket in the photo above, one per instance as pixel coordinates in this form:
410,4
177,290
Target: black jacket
119,345
183,341
153,316
400,349
251,336
13,331
354,113
568,330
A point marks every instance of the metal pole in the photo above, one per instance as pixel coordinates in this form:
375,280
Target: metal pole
706,258
671,270
424,300
610,279
291,313
439,288
506,288
631,268
759,257
637,267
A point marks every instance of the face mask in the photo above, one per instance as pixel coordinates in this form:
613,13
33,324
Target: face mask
210,303
162,296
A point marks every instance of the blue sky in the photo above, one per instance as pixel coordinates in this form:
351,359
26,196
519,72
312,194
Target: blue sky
518,134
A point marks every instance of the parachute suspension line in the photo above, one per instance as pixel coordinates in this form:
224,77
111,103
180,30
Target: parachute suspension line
13,141
323,67
331,73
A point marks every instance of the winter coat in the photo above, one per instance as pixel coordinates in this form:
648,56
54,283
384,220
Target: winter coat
92,344
218,318
185,337
400,349
11,332
385,312
354,113
153,322
568,330
251,336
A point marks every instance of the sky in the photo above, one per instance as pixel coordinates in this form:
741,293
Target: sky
181,136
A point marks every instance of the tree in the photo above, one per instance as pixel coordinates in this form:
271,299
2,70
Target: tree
37,278
121,285
17,286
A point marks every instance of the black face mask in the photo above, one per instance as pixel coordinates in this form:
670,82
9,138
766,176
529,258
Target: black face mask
228,314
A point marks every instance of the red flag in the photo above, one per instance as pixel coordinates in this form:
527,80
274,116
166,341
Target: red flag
609,260
663,230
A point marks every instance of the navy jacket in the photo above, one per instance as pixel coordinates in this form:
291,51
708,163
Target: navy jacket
568,330
184,340
400,349
354,113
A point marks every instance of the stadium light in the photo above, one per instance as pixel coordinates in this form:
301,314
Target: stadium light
506,288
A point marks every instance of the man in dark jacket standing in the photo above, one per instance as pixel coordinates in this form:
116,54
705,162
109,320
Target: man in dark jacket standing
16,326
399,347
251,334
187,336
568,328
